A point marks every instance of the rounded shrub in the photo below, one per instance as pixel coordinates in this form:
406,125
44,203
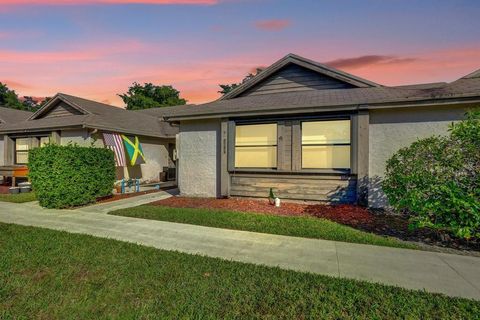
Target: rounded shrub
436,181
69,176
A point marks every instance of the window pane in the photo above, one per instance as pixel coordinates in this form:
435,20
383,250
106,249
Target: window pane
44,141
256,157
256,135
22,144
22,157
326,157
324,132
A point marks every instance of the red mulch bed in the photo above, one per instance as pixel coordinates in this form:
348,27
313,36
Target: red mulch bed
340,213
120,196
351,215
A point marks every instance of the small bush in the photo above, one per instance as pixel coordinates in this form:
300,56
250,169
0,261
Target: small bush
437,180
69,176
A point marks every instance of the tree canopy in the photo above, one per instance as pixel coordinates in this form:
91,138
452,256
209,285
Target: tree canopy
151,96
227,88
10,99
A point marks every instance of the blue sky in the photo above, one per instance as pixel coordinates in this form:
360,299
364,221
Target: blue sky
97,48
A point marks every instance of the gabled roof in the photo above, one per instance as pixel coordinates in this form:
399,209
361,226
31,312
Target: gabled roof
464,90
475,74
95,115
160,111
9,115
305,63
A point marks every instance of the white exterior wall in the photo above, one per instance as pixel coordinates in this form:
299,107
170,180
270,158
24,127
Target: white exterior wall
393,129
199,159
155,150
156,157
78,136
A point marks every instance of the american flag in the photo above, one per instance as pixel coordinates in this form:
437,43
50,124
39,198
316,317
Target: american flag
114,142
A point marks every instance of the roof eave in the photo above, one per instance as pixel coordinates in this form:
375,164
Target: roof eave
333,108
125,131
39,129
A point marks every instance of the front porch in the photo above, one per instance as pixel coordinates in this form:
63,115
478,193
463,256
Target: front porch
9,176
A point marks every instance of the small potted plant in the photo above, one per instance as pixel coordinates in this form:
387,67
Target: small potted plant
271,197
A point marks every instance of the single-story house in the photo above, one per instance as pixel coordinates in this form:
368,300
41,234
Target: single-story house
68,119
310,132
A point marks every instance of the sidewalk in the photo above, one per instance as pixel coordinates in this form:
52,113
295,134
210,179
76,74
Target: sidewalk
452,275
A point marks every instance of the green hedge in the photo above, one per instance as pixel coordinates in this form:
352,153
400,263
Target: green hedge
436,181
69,176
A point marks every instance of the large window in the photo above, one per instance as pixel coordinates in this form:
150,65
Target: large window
22,145
256,146
326,144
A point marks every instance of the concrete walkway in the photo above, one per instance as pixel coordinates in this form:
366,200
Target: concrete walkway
452,275
128,202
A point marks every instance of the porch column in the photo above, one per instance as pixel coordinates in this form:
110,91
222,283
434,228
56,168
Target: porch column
362,152
55,137
9,148
224,175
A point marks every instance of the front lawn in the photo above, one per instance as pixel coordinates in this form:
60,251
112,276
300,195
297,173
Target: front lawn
298,226
19,197
47,274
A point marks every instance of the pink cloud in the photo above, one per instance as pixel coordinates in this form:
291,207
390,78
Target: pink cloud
84,2
367,60
273,24
435,66
99,71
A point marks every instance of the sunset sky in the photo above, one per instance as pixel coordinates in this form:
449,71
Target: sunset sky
97,48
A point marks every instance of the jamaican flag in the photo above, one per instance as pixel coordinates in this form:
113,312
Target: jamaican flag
134,150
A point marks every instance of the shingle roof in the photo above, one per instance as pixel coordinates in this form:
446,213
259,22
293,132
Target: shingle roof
329,100
159,112
475,74
9,115
95,115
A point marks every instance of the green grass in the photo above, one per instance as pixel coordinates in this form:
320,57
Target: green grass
47,274
303,226
18,198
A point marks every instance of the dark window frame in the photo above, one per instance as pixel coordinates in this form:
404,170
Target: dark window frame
296,168
341,170
256,169
15,151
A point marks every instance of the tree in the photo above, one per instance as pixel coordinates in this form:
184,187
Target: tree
151,96
9,98
227,88
44,101
30,103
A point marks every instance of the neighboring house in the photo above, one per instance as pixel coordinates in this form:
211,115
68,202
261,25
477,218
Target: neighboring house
67,119
310,132
9,116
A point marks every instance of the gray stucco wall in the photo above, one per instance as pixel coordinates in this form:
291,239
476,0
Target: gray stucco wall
392,129
199,158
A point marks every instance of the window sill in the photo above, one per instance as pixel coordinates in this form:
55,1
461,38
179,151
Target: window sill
338,172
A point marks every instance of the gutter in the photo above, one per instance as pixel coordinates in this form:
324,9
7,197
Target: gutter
8,131
316,109
141,133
